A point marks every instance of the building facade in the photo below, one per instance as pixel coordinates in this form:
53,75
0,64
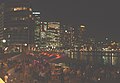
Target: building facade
37,31
67,37
50,35
18,24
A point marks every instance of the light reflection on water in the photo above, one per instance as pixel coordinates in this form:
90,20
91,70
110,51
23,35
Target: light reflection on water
96,58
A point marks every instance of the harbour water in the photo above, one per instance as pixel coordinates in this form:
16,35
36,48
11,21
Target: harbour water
96,58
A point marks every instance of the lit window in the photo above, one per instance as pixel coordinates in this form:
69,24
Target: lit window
30,9
8,36
19,8
45,22
30,16
23,18
15,9
25,27
66,31
24,8
5,28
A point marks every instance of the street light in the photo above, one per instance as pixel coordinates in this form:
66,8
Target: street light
36,45
4,41
83,26
25,44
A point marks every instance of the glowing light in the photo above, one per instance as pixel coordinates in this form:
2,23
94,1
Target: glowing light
36,45
65,30
20,8
25,44
98,78
36,13
118,72
6,48
5,28
30,16
4,41
82,26
30,9
106,38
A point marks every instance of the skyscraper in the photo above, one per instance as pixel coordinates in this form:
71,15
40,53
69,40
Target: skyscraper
53,34
67,37
18,23
37,30
50,35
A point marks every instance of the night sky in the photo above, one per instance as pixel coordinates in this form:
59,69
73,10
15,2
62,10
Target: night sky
101,17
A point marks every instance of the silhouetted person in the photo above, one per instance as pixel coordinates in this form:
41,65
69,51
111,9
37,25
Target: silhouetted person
6,78
2,65
61,76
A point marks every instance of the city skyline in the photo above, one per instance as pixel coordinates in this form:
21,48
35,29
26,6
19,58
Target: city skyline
59,41
100,17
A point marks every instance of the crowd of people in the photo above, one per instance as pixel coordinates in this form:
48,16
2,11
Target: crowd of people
42,71
87,73
97,74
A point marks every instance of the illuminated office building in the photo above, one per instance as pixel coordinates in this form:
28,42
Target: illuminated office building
67,37
53,34
18,23
37,37
43,38
50,35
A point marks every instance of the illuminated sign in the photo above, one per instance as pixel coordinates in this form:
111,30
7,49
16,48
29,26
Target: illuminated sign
36,13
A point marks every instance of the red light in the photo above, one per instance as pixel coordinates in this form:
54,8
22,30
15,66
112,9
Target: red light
58,56
50,55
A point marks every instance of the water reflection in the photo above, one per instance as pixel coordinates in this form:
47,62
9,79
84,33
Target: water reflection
106,58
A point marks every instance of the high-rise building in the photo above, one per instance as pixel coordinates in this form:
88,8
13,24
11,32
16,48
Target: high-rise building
50,35
53,34
68,40
43,38
67,37
18,24
37,30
